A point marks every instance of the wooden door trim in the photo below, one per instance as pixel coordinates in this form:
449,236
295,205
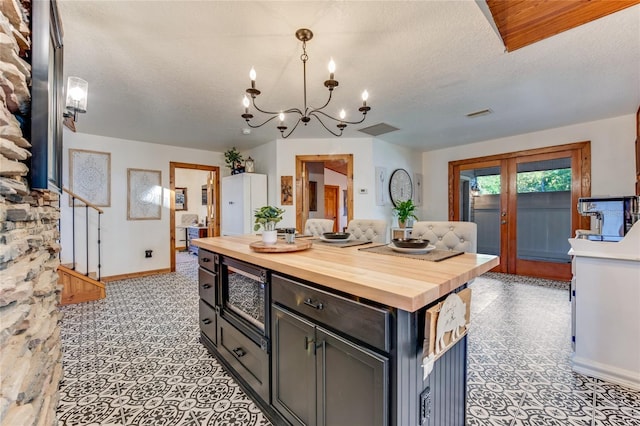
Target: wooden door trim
302,184
580,153
173,165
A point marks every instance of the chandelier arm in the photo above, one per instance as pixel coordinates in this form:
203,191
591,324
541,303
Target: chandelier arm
275,113
313,114
337,119
253,126
323,106
290,131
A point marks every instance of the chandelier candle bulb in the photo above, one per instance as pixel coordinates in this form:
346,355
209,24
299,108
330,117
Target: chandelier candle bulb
332,69
252,76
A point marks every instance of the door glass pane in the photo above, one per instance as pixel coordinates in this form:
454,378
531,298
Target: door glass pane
544,210
480,203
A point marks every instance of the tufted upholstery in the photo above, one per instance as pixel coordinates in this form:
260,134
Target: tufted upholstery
460,236
318,226
368,230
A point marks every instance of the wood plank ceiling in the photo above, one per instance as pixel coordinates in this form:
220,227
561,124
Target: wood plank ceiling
523,22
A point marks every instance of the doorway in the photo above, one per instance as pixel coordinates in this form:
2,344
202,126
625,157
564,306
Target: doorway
200,198
342,162
524,205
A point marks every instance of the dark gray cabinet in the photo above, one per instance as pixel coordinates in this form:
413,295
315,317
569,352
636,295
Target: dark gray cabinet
207,285
320,378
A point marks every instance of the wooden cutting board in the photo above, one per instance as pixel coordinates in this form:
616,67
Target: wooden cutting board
280,246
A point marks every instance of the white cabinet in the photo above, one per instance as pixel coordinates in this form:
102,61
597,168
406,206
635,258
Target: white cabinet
606,308
241,195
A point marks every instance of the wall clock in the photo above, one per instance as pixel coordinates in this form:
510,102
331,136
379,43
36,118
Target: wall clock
400,187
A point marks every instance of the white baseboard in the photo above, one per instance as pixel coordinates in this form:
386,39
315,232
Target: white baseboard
608,373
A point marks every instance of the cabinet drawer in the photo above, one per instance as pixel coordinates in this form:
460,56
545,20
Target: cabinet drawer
246,358
208,260
208,321
207,286
365,323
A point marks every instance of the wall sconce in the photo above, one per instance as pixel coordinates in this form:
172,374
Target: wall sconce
77,90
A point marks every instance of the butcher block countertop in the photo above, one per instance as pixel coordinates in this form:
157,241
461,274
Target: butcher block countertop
399,282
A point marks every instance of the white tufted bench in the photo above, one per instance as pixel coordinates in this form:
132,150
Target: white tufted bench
318,227
459,236
368,230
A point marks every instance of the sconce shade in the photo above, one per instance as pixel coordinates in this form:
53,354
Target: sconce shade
77,90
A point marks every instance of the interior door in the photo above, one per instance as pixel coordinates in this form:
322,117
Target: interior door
331,204
524,206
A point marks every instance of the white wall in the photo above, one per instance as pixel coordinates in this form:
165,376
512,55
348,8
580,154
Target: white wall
612,158
392,157
367,153
124,241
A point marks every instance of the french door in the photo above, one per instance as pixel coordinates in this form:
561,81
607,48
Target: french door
524,204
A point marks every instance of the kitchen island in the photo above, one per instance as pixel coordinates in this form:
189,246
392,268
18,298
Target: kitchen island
334,335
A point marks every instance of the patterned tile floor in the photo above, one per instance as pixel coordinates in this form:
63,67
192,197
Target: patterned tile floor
134,359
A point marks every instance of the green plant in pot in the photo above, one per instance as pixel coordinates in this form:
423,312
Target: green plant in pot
405,210
266,218
233,158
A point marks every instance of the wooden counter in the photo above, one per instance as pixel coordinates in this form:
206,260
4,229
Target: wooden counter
403,283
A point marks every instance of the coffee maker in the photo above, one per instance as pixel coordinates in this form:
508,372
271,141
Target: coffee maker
614,216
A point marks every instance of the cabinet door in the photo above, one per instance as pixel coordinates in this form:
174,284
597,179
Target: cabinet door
293,366
351,383
233,205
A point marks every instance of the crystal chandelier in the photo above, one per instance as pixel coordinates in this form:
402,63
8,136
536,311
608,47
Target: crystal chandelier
302,115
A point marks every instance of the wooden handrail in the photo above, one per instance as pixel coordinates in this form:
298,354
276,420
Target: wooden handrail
88,203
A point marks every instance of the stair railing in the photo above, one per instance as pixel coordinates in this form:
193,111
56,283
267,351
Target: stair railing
86,204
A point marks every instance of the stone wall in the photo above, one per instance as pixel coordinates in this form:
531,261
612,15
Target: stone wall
30,352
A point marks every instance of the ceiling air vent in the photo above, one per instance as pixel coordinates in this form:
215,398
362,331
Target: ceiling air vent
378,129
479,113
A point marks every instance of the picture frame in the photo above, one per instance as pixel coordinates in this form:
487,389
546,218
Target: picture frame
90,176
181,199
144,194
313,196
417,189
204,195
381,177
286,190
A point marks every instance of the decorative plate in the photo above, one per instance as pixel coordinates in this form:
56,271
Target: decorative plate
426,249
334,240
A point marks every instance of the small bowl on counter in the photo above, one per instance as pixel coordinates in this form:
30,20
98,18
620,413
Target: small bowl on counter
414,243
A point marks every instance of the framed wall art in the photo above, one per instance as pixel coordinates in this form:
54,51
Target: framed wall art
381,177
181,199
286,190
90,176
144,194
417,189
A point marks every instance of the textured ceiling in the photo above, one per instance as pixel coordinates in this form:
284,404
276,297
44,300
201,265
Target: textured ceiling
174,72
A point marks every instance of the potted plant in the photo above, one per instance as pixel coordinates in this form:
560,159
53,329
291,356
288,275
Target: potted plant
405,210
233,159
267,217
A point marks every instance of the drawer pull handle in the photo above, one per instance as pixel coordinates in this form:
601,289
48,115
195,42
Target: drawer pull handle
239,352
316,305
206,286
205,260
206,321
